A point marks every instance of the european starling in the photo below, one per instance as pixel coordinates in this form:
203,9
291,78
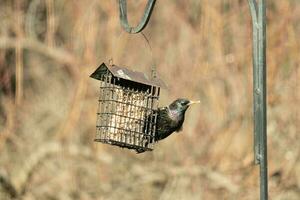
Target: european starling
170,119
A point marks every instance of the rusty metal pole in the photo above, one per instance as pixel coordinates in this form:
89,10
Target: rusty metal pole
258,13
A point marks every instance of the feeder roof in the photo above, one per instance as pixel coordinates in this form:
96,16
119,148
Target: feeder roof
127,74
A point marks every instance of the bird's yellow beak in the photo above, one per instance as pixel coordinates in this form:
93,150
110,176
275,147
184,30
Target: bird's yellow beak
193,102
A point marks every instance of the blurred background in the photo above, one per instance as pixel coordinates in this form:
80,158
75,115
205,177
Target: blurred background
202,49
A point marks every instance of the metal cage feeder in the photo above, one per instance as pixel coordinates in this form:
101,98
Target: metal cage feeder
127,110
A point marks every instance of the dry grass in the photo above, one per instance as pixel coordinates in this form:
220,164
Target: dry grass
202,50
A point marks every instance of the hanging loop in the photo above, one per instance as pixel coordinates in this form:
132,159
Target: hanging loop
153,72
143,23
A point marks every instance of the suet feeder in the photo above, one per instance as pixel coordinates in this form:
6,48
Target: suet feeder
127,110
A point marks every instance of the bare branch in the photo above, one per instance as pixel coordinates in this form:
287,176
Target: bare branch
54,53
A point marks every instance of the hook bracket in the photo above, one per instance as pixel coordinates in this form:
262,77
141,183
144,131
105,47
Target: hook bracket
144,21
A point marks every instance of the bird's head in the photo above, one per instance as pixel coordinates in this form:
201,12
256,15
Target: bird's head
181,105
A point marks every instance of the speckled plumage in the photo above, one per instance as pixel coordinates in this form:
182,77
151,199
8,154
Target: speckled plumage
170,119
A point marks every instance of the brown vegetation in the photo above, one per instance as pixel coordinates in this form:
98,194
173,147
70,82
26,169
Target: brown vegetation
202,50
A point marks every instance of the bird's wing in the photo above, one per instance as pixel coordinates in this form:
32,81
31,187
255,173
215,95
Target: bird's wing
162,109
164,125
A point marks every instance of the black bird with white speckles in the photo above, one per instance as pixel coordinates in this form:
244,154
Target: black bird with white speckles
170,119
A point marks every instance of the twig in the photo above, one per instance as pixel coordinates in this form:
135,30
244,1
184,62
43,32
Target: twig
57,54
50,23
9,124
19,53
74,111
30,19
8,186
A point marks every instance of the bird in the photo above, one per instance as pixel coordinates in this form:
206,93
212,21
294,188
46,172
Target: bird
170,119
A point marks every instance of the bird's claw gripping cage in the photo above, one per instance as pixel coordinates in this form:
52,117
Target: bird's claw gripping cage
127,108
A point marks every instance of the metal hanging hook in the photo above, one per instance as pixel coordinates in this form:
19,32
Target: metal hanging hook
143,23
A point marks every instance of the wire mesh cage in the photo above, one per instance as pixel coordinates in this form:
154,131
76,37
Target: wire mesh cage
127,109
